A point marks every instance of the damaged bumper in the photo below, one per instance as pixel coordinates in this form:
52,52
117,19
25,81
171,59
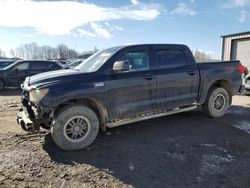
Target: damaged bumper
25,122
30,117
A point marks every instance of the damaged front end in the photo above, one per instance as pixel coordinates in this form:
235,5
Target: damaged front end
31,116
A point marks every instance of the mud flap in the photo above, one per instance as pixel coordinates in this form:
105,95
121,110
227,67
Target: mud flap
242,90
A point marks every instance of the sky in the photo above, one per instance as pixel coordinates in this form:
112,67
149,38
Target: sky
84,24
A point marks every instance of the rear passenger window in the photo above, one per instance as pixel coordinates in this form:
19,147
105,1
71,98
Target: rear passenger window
23,66
170,58
54,66
40,65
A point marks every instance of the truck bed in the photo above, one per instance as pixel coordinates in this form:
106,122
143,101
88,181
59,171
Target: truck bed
222,70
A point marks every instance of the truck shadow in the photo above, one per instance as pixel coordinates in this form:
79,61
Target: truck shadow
158,152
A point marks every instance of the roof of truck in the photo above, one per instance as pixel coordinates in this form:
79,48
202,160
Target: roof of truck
150,44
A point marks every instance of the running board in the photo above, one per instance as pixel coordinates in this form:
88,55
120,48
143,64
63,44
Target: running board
147,117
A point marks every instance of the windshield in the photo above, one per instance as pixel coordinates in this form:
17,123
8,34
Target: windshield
76,62
5,63
9,66
94,62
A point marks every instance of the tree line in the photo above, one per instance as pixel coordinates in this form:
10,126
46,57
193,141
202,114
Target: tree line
200,55
34,51
2,53
61,51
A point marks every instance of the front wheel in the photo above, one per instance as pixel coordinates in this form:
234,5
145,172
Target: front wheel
217,102
74,127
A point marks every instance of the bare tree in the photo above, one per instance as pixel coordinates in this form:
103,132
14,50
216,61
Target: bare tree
200,55
62,51
12,53
34,51
95,49
2,53
20,52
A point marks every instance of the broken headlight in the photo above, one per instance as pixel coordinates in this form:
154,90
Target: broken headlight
38,94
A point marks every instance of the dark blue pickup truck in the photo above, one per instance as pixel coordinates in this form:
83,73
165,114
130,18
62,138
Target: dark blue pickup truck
121,85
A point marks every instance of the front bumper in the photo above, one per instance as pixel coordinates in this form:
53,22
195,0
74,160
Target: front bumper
31,116
28,116
26,123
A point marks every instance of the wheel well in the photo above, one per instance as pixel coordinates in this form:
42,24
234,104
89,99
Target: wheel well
226,85
92,104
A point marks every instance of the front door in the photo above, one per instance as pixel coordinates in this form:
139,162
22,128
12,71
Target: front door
134,91
18,74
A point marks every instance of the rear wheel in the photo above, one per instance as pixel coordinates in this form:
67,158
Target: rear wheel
75,127
2,85
217,102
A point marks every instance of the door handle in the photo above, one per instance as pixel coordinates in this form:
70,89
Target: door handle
191,72
149,77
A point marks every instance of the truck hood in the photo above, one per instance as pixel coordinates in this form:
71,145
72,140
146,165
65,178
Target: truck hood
53,76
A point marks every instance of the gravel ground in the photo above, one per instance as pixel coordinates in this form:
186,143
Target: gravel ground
184,150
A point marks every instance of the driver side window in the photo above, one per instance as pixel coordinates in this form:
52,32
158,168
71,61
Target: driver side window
23,66
138,60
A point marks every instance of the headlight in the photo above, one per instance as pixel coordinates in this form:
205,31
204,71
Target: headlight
37,94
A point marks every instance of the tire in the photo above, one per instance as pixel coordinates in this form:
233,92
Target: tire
2,85
74,120
217,102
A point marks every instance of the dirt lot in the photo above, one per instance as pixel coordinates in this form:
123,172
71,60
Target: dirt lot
185,150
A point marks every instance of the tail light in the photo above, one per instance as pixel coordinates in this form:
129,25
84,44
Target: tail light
241,69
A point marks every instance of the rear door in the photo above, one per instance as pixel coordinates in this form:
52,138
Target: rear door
177,80
37,67
134,91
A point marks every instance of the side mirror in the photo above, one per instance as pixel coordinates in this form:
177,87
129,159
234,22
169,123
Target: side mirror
120,66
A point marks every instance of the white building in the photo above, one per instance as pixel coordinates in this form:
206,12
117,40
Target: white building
237,47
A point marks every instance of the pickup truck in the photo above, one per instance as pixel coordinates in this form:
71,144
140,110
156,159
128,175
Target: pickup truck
121,85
